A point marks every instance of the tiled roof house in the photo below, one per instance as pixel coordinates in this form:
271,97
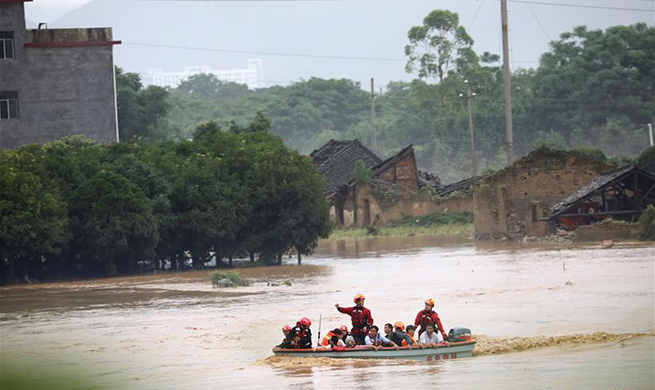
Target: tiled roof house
336,160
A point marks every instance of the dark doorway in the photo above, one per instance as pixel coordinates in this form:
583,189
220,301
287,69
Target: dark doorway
339,210
367,212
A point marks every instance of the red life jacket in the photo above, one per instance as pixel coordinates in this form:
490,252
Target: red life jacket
426,318
359,319
297,331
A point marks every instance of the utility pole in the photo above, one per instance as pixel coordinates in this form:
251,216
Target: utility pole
508,95
375,131
469,97
650,133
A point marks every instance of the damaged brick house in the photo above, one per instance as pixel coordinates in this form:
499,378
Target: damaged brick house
517,201
397,187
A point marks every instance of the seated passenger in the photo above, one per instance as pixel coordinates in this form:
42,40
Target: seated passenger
430,338
376,339
388,330
347,338
335,340
286,343
300,335
328,336
399,336
410,332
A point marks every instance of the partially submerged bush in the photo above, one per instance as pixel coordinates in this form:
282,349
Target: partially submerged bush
435,219
227,279
646,223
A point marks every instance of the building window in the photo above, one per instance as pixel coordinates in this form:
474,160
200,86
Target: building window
6,44
8,105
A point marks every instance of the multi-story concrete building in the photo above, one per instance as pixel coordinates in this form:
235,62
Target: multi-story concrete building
54,82
251,76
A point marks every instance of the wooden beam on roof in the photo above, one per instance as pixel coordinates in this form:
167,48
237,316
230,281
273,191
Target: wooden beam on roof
621,191
635,179
641,201
605,213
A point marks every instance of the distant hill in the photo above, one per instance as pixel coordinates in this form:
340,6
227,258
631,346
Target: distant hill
346,28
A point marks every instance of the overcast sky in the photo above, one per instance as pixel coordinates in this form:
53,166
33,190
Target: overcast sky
361,28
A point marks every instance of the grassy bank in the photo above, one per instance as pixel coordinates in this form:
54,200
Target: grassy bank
451,223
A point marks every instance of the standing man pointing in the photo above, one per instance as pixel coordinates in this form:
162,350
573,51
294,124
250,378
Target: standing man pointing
361,318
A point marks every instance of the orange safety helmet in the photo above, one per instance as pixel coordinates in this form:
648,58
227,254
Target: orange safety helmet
430,302
306,321
286,328
344,328
358,297
399,325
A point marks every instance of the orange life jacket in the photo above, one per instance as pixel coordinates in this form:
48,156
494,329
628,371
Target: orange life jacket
326,339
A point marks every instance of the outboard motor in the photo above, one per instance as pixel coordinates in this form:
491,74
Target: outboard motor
459,334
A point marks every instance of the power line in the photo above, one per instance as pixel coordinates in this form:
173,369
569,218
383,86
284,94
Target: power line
336,1
538,21
476,15
264,52
280,54
260,81
583,6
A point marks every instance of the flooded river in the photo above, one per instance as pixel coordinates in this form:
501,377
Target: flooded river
173,331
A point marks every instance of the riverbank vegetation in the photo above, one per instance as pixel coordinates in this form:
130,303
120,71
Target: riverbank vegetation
646,224
435,224
592,89
73,208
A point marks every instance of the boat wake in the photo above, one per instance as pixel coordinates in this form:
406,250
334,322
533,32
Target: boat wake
303,362
488,345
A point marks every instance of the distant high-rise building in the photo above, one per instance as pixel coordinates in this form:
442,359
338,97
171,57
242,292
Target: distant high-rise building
251,76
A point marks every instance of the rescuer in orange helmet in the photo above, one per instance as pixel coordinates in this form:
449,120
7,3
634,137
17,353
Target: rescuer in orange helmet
300,335
361,318
286,343
427,317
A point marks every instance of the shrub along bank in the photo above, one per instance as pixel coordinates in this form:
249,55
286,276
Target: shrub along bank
440,223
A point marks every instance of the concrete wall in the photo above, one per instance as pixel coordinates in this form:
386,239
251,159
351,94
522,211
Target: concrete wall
507,202
415,205
12,18
418,206
605,231
62,91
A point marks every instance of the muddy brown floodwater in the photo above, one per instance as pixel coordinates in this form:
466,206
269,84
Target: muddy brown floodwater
547,317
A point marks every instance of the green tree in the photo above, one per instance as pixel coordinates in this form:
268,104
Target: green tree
361,173
112,223
599,84
646,224
33,216
141,110
646,159
208,86
438,45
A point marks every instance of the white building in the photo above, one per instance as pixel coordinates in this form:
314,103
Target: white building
252,76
